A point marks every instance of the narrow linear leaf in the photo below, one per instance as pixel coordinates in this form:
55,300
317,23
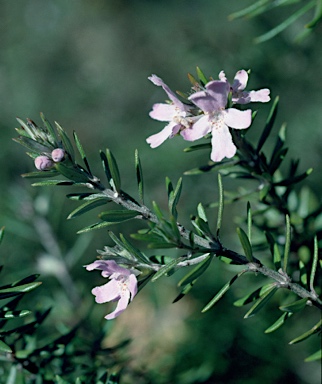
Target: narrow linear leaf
1,234
196,272
317,328
166,268
315,356
279,322
133,250
259,304
269,125
46,183
4,347
279,28
317,15
202,213
14,314
314,263
197,147
245,244
91,227
41,174
88,206
258,293
247,11
277,257
17,290
82,152
303,273
49,128
66,142
296,306
287,243
114,172
186,289
249,222
221,293
139,176
294,180
174,198
75,173
201,76
220,203
117,216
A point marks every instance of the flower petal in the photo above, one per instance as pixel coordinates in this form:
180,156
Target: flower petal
222,144
168,131
163,112
132,285
240,80
108,292
197,130
260,96
160,83
121,306
238,119
214,98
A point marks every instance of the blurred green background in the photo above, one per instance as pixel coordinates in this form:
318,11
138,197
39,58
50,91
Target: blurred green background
85,64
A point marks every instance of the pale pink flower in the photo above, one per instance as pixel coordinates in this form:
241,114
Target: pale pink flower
212,101
122,286
176,113
239,95
58,155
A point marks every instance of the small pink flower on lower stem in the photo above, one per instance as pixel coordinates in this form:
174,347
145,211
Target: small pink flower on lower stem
122,286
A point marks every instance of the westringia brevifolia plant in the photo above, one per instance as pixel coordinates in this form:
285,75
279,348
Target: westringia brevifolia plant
217,112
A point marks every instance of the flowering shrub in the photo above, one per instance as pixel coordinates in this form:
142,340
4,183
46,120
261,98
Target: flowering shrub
212,110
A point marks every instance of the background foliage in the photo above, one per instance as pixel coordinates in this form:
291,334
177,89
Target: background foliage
86,65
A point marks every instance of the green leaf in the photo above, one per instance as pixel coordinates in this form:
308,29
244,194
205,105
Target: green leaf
14,314
196,272
66,142
174,198
186,289
197,147
296,306
317,328
249,222
293,180
4,348
17,290
91,227
115,180
41,174
211,168
277,257
279,322
89,205
82,152
201,76
245,244
317,15
32,145
1,234
286,23
133,250
166,268
47,183
50,129
221,293
287,243
220,203
118,216
315,356
248,11
269,125
249,298
259,304
74,173
139,176
303,273
314,263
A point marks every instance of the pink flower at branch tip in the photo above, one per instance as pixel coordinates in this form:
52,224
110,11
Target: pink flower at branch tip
176,113
239,95
216,119
122,286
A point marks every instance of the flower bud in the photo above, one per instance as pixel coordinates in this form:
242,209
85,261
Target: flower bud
58,155
43,163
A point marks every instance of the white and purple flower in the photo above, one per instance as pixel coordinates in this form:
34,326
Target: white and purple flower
176,113
212,102
239,95
122,286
